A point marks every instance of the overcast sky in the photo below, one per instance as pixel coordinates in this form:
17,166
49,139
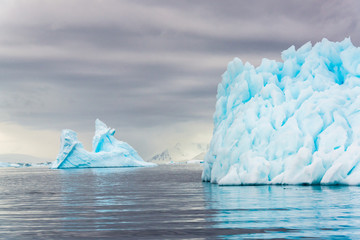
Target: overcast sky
147,68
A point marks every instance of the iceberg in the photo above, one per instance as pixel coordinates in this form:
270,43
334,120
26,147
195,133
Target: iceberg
107,151
290,122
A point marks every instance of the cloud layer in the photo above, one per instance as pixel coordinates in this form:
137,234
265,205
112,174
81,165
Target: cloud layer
148,68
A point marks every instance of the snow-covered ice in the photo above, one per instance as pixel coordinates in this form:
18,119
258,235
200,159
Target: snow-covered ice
107,151
290,122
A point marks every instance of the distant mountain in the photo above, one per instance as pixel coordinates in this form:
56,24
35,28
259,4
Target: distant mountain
181,152
200,156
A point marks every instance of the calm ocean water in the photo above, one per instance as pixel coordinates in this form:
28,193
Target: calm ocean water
167,202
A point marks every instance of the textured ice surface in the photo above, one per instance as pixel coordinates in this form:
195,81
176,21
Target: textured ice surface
107,151
290,122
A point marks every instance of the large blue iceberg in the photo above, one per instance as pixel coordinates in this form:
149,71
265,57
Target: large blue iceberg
290,122
107,151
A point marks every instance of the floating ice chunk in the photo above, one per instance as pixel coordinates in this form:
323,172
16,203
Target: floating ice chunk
107,151
5,164
290,122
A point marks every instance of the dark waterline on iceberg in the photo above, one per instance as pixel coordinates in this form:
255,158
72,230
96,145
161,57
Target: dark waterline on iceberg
167,202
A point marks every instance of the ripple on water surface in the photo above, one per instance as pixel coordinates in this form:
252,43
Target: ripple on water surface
167,202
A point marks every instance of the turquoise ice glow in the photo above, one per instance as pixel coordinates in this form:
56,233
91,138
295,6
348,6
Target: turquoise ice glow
290,122
107,151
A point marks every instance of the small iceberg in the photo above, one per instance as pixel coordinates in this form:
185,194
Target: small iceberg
107,151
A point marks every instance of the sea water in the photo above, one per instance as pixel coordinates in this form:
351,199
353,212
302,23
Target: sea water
167,202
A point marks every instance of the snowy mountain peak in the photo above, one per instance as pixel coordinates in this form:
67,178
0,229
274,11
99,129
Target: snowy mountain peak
181,152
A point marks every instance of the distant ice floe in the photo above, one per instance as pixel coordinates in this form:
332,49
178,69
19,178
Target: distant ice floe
6,164
290,122
107,151
22,160
22,165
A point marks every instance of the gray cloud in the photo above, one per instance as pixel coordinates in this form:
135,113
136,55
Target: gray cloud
143,66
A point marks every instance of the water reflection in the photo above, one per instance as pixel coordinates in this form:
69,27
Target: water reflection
163,201
167,202
96,198
286,211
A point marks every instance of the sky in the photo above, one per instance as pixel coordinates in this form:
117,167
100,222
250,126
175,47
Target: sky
149,69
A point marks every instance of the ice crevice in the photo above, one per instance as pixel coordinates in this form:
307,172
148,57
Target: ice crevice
290,122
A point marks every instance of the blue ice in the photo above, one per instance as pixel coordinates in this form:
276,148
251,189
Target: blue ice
290,122
107,151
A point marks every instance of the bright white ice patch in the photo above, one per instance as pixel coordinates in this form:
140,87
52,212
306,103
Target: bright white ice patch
289,123
107,151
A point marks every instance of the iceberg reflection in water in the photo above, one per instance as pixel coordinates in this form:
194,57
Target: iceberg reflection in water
166,202
287,211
